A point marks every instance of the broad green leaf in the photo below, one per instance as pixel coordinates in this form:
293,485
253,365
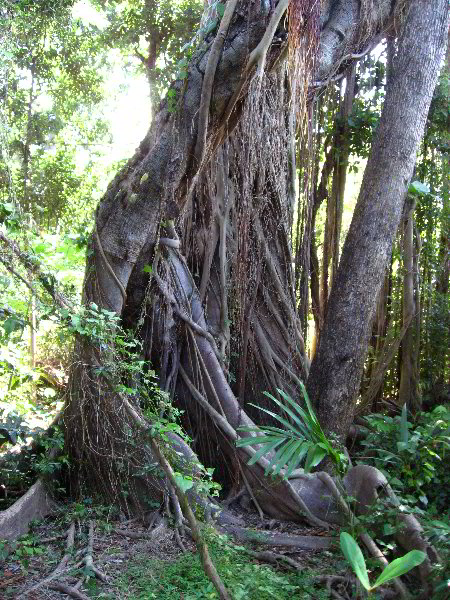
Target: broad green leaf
417,188
12,324
401,446
441,524
40,248
353,554
184,483
315,455
400,566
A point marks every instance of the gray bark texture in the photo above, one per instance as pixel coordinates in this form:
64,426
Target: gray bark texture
336,370
135,226
154,183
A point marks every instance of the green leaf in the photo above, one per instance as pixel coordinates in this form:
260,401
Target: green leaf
305,424
210,26
418,188
184,483
297,459
147,269
353,554
256,440
265,449
289,450
40,248
12,324
274,461
277,417
400,566
315,455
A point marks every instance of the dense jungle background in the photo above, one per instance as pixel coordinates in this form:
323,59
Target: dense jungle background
224,313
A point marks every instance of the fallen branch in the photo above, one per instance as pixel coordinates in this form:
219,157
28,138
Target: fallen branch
141,535
329,580
60,568
69,545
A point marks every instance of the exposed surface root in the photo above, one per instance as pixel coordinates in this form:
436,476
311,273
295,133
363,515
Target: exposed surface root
306,542
63,569
35,504
275,559
68,590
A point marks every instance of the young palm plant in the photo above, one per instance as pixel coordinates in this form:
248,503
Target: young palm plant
299,440
397,567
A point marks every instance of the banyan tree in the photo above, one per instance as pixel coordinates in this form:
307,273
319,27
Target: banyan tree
192,250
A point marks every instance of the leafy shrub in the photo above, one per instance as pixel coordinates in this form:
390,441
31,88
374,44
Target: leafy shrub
414,456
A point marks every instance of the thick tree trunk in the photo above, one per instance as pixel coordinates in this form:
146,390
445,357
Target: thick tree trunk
335,373
135,227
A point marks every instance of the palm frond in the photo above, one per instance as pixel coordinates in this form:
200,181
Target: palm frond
300,441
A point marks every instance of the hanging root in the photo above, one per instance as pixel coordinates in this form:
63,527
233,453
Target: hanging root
208,80
257,58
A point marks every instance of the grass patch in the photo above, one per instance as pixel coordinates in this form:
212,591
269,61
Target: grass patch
150,579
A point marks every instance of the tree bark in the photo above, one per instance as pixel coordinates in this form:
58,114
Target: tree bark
335,373
135,227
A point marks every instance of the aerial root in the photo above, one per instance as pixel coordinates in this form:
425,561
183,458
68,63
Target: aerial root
252,495
179,519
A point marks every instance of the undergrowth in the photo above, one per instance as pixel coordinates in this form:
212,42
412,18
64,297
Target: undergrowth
151,579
